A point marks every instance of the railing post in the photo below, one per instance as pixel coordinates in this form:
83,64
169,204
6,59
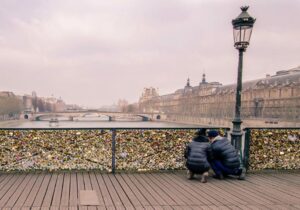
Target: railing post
247,148
113,149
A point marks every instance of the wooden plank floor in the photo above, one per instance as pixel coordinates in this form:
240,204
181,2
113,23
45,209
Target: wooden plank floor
169,190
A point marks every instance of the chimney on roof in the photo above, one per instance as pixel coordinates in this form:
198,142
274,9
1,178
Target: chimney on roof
188,83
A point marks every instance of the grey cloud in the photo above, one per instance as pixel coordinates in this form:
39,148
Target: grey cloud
95,52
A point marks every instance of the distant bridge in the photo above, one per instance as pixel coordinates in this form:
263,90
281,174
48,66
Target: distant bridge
92,116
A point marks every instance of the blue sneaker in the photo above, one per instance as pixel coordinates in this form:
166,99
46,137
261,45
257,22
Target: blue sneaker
220,176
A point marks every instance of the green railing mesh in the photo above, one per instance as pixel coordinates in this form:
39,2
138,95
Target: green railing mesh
274,148
135,149
151,149
55,149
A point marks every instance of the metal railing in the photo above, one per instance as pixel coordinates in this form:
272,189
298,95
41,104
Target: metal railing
134,149
272,148
107,149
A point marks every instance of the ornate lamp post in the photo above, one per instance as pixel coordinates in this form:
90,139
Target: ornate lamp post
242,29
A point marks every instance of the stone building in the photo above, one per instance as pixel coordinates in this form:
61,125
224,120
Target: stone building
28,103
32,103
147,102
54,105
271,100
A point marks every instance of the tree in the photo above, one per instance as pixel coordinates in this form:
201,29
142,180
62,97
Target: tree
10,105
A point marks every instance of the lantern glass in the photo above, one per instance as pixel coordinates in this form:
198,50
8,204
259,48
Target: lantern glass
242,35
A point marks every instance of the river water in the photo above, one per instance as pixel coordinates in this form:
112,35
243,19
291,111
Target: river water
92,124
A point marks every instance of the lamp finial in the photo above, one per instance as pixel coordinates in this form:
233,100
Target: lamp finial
244,8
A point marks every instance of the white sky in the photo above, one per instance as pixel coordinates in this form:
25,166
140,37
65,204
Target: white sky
94,52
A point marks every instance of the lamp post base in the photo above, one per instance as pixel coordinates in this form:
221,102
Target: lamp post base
236,138
236,134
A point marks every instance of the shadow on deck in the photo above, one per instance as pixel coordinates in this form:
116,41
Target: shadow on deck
147,191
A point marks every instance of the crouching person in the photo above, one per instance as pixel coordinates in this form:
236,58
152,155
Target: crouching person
196,154
225,160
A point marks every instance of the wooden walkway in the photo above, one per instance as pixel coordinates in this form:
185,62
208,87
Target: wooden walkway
148,191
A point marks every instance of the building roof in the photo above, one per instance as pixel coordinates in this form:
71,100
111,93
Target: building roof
283,78
280,79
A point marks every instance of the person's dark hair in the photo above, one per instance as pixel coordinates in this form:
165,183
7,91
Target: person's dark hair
201,132
212,133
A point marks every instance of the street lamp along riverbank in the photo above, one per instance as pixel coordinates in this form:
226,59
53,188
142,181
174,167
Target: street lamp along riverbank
242,30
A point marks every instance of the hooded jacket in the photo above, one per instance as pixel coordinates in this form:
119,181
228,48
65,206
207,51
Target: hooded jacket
197,153
223,150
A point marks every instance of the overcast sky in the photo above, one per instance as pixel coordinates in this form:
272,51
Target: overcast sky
94,52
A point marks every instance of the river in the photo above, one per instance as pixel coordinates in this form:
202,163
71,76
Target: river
94,124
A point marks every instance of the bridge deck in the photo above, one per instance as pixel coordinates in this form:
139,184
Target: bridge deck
147,191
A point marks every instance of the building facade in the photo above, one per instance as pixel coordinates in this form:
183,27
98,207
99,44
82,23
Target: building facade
33,103
272,100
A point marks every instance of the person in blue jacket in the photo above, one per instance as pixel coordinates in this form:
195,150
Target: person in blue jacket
224,158
196,155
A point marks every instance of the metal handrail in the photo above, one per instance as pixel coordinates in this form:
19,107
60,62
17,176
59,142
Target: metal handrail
272,128
118,128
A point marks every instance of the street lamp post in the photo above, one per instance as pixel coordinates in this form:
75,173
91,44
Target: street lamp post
242,29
